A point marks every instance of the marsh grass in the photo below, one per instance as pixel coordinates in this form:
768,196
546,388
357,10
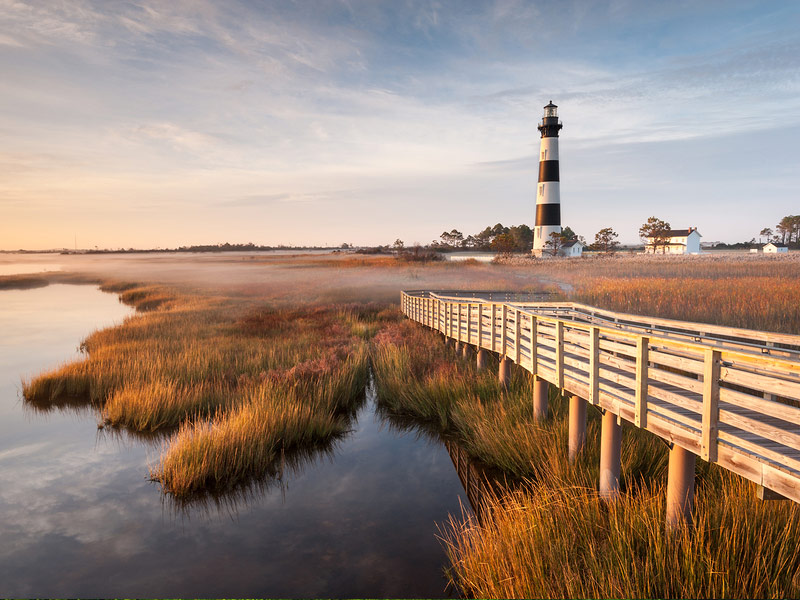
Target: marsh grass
22,282
556,539
238,380
750,302
242,443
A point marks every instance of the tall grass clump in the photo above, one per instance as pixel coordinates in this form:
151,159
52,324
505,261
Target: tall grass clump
551,539
191,355
237,445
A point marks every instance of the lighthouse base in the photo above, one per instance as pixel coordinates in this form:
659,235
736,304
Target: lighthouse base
541,237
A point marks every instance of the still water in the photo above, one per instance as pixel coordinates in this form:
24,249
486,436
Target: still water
78,516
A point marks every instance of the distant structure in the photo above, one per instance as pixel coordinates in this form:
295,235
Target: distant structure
676,241
573,248
773,248
548,194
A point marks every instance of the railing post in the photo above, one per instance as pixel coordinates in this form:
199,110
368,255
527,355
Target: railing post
534,345
428,314
594,365
494,326
560,355
458,337
468,318
504,331
610,446
711,373
577,426
516,336
640,409
480,327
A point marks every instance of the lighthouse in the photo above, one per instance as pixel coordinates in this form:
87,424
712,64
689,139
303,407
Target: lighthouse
548,194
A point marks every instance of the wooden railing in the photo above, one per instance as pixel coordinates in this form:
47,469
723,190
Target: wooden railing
730,396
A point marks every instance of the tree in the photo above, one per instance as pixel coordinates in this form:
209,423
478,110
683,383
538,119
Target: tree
398,245
568,234
655,232
766,232
504,243
554,242
523,237
605,241
452,238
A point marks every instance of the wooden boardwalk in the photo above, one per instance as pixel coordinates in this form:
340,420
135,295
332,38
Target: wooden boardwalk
730,396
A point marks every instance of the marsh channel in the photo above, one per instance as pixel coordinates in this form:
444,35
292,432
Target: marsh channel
80,518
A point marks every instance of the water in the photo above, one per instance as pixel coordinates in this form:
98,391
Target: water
16,264
78,516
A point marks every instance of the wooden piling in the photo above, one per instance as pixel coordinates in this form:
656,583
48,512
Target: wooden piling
504,371
610,445
480,359
680,487
541,389
577,426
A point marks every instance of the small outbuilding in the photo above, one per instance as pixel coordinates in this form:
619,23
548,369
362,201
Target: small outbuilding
773,248
571,249
676,241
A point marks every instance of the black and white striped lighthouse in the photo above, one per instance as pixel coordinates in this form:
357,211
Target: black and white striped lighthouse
548,194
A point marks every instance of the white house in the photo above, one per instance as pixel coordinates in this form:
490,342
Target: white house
773,248
678,241
571,249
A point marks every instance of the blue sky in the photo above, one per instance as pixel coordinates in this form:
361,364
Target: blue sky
144,123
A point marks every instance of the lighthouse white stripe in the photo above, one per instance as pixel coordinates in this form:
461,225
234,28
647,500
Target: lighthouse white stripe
548,192
548,149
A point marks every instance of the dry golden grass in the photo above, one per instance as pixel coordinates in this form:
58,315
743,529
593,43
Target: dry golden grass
240,378
751,302
556,539
241,443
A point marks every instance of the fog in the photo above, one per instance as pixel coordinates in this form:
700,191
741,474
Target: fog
284,278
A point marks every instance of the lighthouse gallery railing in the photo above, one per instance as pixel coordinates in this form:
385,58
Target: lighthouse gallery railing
731,396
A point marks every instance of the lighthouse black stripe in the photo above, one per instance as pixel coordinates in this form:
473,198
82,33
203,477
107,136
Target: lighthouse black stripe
548,214
548,170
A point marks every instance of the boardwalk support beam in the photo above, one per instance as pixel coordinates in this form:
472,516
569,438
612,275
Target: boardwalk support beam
610,446
504,371
577,426
680,487
480,359
540,391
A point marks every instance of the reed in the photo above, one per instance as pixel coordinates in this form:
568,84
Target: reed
556,539
237,445
22,282
750,302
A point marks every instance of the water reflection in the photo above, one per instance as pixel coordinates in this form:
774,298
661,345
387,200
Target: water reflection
479,481
79,516
288,466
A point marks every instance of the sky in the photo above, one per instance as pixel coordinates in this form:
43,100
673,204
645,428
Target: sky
150,124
